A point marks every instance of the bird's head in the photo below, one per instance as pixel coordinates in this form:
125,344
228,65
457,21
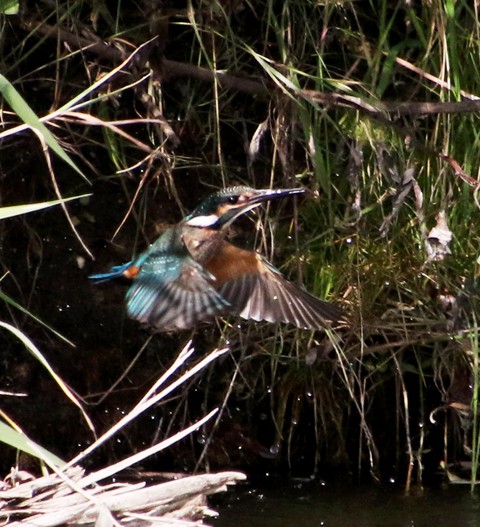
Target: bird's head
220,209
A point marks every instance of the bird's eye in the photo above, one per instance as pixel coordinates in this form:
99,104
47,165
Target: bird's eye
233,200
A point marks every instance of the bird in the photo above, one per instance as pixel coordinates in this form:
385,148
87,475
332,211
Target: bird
191,274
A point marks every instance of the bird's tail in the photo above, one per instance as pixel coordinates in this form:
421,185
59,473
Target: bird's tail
116,271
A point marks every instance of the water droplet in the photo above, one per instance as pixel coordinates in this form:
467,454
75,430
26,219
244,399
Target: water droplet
274,450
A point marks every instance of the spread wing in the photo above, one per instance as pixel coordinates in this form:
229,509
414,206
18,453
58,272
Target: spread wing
258,291
171,293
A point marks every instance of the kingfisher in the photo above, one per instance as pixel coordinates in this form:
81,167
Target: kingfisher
192,274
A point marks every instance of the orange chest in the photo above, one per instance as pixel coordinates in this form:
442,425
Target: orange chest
230,263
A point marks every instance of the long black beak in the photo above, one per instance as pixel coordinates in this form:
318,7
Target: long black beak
267,194
257,198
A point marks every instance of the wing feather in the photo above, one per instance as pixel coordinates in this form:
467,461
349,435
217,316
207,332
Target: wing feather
171,292
266,295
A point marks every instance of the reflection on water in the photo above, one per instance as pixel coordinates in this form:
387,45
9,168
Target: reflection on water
313,505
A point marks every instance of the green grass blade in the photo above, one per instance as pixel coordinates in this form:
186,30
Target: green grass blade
29,117
43,361
20,441
14,304
16,210
9,7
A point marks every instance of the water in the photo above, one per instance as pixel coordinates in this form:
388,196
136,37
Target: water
313,505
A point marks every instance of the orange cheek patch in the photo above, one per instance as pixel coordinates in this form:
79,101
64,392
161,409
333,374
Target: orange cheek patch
222,209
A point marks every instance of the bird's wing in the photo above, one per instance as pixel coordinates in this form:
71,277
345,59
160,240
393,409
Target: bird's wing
172,292
258,291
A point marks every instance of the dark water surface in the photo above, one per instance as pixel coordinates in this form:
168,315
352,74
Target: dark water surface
308,505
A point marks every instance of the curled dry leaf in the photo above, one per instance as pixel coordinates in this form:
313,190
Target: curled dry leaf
438,240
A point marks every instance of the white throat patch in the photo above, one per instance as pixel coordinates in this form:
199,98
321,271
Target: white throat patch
202,221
